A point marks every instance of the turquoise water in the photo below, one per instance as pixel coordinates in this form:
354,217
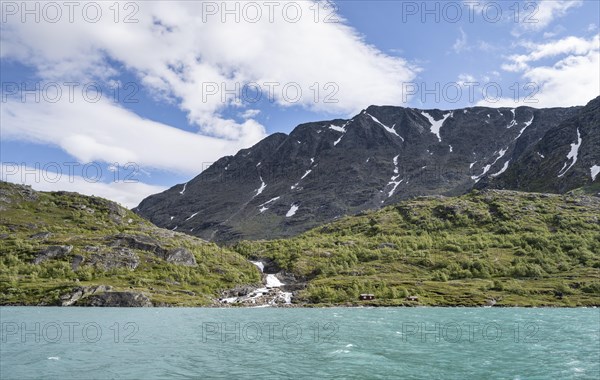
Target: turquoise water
342,343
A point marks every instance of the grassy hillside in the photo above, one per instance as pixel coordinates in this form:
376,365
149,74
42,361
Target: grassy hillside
494,246
52,243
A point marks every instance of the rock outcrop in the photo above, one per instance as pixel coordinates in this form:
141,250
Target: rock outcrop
52,252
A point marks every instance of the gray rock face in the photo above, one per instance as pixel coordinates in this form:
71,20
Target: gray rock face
287,184
141,242
116,258
52,252
116,299
76,294
124,243
23,192
41,235
179,256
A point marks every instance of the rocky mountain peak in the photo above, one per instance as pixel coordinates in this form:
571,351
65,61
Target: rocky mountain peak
286,184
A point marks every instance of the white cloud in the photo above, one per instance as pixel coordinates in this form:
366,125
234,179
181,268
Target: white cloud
250,113
128,194
569,45
555,32
570,78
465,78
177,53
545,13
106,132
460,44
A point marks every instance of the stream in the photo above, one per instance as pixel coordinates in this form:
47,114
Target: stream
269,295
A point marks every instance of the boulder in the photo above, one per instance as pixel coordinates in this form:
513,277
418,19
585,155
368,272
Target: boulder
41,235
52,252
77,261
141,242
179,256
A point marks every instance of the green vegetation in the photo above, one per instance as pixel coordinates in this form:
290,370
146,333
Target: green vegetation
91,226
495,246
505,247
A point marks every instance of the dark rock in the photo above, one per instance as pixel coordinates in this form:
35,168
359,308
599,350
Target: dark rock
116,299
141,242
179,256
239,291
76,294
52,252
543,166
387,245
77,261
270,266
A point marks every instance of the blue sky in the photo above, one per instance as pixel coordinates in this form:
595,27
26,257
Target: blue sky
168,72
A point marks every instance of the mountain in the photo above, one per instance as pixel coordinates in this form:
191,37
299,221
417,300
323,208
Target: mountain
66,249
567,157
486,247
286,184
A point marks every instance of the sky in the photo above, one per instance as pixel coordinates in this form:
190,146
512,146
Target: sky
126,99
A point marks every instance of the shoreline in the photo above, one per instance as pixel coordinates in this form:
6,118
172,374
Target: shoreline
316,306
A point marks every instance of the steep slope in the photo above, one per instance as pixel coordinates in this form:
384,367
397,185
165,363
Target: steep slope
68,249
285,185
565,158
491,247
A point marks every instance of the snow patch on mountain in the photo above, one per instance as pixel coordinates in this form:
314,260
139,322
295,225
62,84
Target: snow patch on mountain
262,187
513,122
263,208
394,180
501,170
594,170
487,168
572,155
337,128
292,211
527,124
436,126
194,214
341,129
390,130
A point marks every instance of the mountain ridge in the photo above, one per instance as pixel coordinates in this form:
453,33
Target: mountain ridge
287,184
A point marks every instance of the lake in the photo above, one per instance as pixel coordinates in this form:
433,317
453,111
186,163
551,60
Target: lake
298,343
